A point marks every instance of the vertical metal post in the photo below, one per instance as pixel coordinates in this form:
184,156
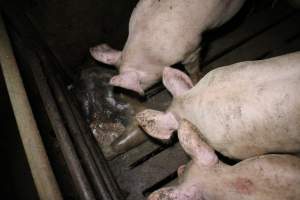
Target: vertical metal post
41,171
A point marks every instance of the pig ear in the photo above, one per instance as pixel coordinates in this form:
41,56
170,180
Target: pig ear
106,54
129,80
176,81
157,124
201,153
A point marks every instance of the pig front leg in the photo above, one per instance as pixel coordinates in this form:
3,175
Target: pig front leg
192,66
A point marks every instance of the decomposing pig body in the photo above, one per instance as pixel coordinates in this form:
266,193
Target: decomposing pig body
163,33
242,110
110,114
267,177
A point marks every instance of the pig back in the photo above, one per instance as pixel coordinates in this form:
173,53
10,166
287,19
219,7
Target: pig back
250,108
268,177
166,32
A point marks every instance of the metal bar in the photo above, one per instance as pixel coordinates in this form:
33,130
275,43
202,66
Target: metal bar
76,133
103,183
80,181
91,152
66,145
41,171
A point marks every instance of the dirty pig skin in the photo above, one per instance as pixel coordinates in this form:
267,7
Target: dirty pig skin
268,177
163,33
242,110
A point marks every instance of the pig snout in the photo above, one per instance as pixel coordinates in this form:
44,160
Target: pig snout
135,80
129,80
163,194
157,124
176,193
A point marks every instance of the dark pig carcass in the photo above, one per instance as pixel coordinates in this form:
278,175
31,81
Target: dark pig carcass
110,114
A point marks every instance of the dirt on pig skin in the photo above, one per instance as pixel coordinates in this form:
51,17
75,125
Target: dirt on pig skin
243,186
267,177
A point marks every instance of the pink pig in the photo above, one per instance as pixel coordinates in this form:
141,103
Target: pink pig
268,177
163,33
242,110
